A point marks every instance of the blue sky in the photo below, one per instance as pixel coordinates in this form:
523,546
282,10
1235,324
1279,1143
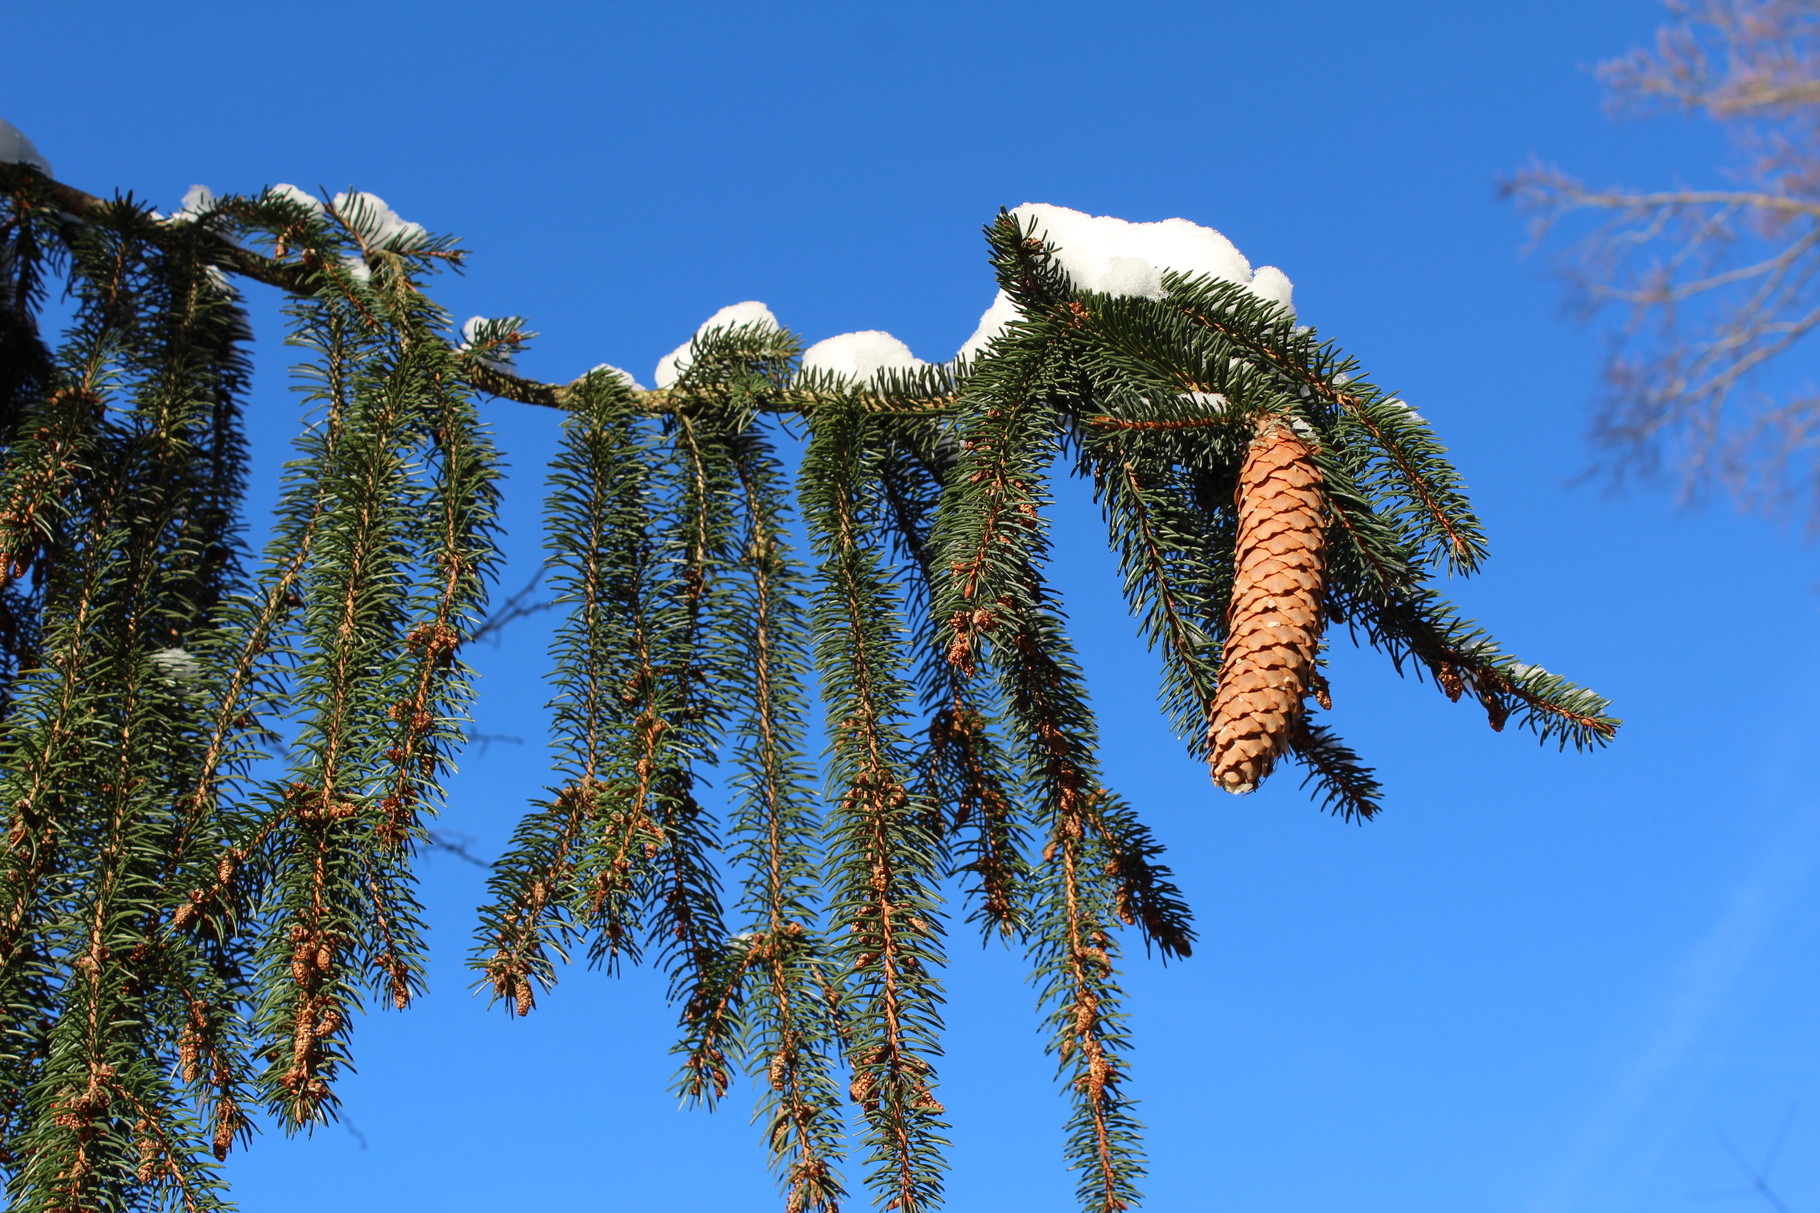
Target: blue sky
1540,983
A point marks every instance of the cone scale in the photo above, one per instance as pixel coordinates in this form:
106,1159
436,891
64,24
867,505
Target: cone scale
1274,620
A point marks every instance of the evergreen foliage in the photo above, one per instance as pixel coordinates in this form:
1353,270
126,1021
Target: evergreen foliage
215,770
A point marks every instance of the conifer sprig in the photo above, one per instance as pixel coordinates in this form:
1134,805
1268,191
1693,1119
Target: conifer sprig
791,1040
1092,871
962,761
885,843
542,894
103,735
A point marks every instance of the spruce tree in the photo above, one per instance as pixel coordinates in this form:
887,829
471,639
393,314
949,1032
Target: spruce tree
218,765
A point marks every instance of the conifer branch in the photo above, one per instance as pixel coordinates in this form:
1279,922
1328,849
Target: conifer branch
994,542
963,761
792,1039
884,859
571,858
179,908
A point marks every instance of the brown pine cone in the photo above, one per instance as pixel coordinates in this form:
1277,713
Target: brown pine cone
1274,621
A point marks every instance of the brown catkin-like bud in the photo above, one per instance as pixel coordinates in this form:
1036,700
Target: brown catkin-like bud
227,1122
1274,620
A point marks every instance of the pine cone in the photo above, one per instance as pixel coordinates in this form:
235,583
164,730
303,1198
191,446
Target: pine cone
1274,621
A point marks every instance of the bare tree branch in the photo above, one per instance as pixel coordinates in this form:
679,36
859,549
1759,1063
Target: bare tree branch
457,845
1715,285
519,606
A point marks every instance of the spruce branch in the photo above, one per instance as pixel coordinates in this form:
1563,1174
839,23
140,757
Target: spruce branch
885,851
189,924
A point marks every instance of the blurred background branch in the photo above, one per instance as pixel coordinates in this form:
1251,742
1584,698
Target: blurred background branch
1715,286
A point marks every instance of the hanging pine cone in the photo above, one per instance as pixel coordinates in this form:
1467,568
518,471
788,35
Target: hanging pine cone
1274,620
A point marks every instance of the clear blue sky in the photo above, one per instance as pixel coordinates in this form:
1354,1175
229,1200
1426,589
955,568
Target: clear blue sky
1538,984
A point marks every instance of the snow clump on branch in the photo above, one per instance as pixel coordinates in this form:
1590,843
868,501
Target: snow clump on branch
624,376
198,201
177,665
303,198
15,148
377,224
860,356
671,366
1116,257
1001,313
499,357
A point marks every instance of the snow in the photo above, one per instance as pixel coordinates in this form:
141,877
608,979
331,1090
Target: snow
1116,257
377,224
302,198
1403,407
1001,313
1097,252
357,266
178,665
1213,402
1272,285
198,201
15,148
499,358
671,366
860,355
625,376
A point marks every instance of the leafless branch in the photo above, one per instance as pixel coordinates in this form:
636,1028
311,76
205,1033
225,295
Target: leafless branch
1715,285
486,740
457,845
1757,1177
520,605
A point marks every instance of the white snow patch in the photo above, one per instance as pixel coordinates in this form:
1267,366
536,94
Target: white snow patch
1272,284
860,355
178,665
992,323
499,358
1402,406
1213,402
377,224
15,148
671,366
357,266
1111,255
302,198
1524,670
617,373
1117,257
198,201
